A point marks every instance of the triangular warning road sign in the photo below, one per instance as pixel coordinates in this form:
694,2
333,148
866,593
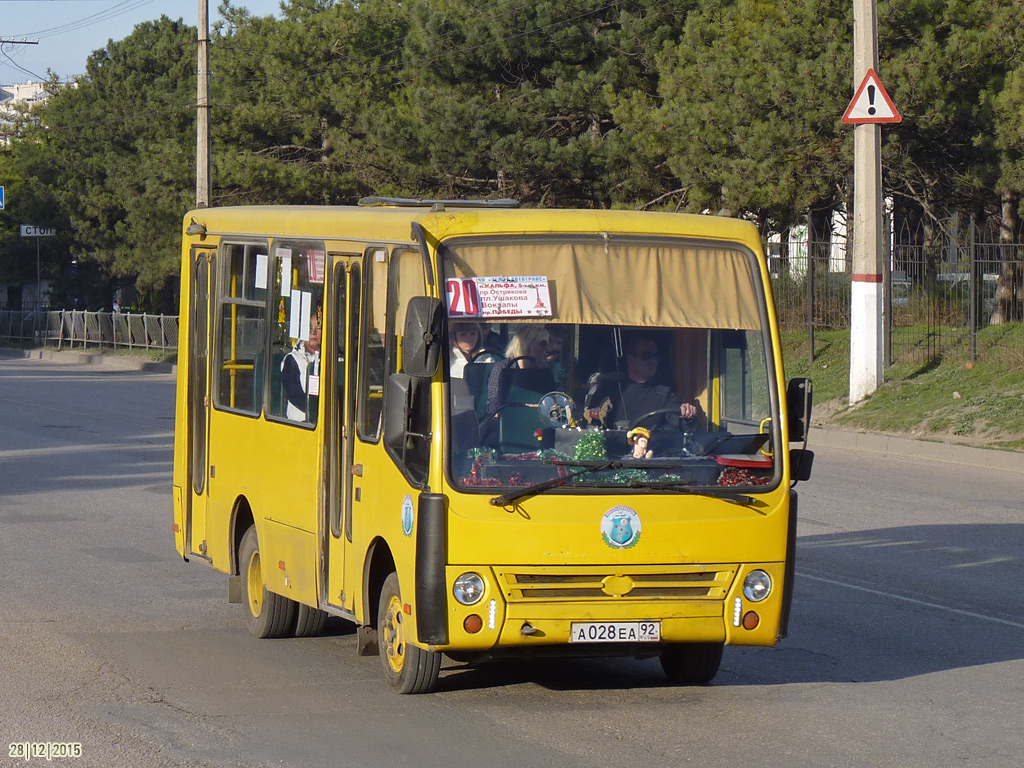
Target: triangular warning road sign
871,103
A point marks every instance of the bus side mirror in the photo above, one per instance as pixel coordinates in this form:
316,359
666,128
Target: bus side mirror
800,462
799,395
421,344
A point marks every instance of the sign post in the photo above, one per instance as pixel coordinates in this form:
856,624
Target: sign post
870,107
28,230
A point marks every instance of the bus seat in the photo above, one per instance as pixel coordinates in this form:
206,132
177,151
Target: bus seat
476,376
519,416
526,385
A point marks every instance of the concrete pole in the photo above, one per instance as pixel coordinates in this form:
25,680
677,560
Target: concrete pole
867,294
203,109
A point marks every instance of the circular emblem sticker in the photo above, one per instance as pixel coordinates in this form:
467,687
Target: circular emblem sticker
407,515
620,528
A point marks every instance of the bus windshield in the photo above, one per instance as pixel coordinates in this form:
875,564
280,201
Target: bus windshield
607,362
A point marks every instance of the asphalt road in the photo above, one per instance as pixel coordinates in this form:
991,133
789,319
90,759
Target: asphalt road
905,648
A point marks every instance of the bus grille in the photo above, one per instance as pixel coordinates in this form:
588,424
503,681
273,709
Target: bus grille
638,583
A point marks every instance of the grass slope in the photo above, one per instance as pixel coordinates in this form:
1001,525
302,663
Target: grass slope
948,398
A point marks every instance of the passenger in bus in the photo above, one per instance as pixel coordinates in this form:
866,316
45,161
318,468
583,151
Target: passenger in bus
299,369
467,347
529,347
639,394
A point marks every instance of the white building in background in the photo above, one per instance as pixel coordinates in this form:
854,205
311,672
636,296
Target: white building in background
13,97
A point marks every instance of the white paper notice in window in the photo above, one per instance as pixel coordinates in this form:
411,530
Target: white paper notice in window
295,315
285,254
306,300
261,271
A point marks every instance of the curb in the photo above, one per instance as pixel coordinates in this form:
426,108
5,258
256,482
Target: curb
71,357
907,447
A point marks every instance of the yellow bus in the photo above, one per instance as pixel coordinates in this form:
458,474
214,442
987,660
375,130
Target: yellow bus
485,432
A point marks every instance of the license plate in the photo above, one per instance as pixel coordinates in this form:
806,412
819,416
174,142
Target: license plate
615,632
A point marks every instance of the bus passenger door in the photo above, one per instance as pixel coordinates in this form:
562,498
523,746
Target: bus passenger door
199,399
341,431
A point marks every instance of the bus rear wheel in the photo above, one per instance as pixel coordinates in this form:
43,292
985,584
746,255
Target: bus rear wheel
309,621
691,663
266,614
407,668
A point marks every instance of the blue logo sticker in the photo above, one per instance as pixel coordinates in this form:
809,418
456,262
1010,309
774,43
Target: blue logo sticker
407,515
620,528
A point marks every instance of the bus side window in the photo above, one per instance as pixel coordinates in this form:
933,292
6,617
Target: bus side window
295,347
744,394
241,330
371,363
408,279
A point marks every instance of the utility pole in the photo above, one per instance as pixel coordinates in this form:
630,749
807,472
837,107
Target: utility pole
867,289
5,41
203,109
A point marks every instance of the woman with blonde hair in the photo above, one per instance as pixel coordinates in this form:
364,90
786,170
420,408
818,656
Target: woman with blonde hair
532,342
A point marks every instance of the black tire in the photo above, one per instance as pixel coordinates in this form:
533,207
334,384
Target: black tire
266,614
309,622
691,663
407,668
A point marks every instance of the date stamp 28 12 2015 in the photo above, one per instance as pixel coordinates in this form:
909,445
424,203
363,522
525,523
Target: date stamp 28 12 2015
44,750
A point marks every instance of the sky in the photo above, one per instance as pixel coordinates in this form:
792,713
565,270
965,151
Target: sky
69,30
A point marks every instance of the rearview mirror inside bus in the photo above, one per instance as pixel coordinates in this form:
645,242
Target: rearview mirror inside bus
421,345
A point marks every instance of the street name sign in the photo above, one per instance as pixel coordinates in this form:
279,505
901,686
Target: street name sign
871,103
30,230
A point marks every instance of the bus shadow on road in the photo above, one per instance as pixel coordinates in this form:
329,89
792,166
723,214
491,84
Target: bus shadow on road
893,603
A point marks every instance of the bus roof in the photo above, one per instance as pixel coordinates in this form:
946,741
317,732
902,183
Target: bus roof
393,222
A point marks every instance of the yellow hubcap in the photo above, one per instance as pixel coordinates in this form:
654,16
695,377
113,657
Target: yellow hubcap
392,635
254,574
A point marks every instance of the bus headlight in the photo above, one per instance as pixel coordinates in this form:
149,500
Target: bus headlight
468,588
757,586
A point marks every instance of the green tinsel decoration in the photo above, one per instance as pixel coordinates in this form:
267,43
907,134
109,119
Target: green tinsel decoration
629,475
591,447
489,454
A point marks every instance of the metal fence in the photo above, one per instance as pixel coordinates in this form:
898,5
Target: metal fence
70,328
939,299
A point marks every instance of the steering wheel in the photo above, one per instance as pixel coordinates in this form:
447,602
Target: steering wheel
659,412
514,360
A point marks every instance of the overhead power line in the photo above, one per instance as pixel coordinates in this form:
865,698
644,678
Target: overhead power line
3,52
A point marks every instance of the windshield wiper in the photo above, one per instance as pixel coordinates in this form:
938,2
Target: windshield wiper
547,485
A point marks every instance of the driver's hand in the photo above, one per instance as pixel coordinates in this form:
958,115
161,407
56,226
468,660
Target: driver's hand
687,410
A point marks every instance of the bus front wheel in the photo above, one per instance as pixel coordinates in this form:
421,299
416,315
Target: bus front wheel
266,614
407,668
691,663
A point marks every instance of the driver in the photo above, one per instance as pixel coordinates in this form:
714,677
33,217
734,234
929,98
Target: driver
639,395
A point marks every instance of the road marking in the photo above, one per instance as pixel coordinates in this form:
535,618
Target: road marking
924,603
